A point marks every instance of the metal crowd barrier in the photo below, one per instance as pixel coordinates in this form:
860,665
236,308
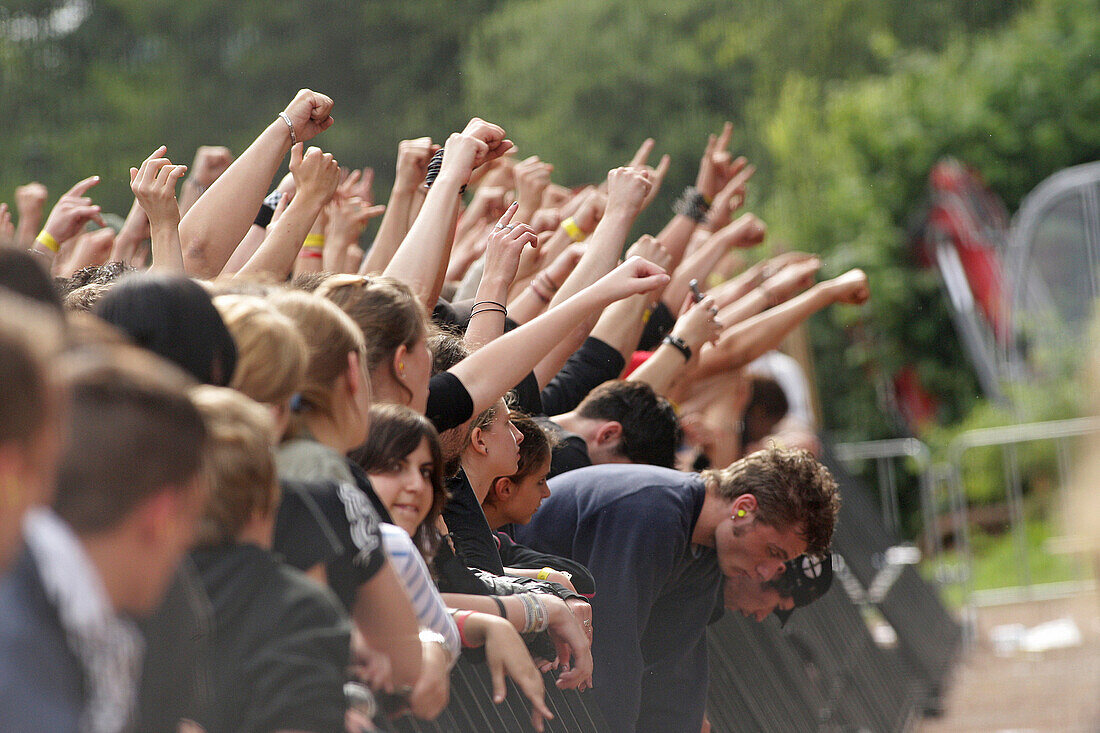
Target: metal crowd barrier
471,708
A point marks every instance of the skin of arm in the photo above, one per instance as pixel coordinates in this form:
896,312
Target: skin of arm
316,174
501,261
210,162
747,340
134,231
626,192
421,259
696,327
217,222
530,303
498,366
385,617
30,203
747,231
412,166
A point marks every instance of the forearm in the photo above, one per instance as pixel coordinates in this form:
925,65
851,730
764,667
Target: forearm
620,325
219,220
284,239
421,260
675,237
761,333
189,194
498,366
660,370
486,323
167,255
600,256
394,227
244,251
27,229
696,266
384,615
552,363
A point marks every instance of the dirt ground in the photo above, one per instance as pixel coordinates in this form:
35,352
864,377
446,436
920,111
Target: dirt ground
1057,690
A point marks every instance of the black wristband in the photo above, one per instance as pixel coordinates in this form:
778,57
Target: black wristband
679,344
263,218
500,607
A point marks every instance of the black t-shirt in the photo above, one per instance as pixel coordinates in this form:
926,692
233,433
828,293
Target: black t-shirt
570,452
281,645
473,539
658,326
175,674
449,404
588,367
331,523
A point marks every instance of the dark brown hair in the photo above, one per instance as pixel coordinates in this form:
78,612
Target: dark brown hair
395,432
791,489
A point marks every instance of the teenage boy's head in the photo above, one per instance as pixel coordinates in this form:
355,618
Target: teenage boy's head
129,480
631,424
778,504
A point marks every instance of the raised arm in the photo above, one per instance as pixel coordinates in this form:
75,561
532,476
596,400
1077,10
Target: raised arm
221,217
746,341
501,262
500,365
66,220
412,166
693,329
626,192
747,231
315,176
421,259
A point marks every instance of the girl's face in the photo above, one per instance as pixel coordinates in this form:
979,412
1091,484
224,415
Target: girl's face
502,440
407,489
528,494
417,373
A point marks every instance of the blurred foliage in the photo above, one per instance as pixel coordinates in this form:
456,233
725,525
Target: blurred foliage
843,104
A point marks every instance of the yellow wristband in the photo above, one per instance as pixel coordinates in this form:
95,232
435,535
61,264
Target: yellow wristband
544,573
575,233
46,240
314,241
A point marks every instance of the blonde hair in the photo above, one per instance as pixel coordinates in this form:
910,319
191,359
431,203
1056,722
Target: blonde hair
332,336
271,353
386,311
239,463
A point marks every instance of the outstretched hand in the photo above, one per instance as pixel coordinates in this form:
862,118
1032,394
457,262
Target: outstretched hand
699,324
72,211
656,175
316,175
632,277
154,187
717,166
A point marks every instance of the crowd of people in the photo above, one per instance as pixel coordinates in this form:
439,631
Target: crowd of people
260,474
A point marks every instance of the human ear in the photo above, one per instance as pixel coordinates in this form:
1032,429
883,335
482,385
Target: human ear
502,488
477,441
399,361
608,432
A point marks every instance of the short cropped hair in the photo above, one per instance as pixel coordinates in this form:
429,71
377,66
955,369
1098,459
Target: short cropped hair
650,430
791,489
133,432
239,463
30,337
